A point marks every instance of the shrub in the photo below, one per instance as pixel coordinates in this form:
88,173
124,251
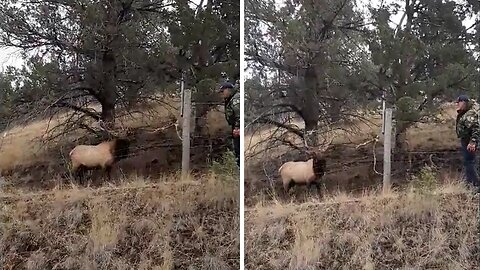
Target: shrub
426,180
227,166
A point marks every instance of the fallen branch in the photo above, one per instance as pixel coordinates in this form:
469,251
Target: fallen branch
374,140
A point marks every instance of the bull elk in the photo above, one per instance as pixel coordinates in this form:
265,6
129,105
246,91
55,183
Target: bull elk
305,172
102,155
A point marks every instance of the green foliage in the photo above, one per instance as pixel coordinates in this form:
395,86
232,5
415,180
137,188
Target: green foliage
210,36
423,63
118,53
322,51
405,110
206,90
426,181
226,168
308,53
7,94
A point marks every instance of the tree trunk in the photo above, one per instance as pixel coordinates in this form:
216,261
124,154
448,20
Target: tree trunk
108,87
310,114
335,111
311,135
310,105
108,114
401,145
108,91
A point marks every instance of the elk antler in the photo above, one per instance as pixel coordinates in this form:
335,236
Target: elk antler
305,138
327,143
308,149
305,142
176,129
104,128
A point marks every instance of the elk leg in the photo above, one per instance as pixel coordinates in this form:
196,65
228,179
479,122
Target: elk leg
288,186
74,174
108,170
319,187
74,171
309,186
210,149
79,174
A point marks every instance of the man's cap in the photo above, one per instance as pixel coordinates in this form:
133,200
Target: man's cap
462,98
224,86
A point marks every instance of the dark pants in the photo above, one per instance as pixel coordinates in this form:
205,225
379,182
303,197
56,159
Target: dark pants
469,161
236,149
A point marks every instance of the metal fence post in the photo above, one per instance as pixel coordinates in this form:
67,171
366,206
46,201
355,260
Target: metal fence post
186,119
387,150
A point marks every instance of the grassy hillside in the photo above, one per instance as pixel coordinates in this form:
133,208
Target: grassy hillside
413,230
420,136
354,165
429,221
169,225
29,158
24,145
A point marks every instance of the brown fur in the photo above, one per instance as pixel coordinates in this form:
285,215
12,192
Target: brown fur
101,156
302,172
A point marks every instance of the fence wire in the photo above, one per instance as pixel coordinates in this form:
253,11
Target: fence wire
208,134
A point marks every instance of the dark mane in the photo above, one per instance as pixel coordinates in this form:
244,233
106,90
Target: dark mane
120,148
319,165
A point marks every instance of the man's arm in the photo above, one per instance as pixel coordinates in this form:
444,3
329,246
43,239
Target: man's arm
236,111
473,123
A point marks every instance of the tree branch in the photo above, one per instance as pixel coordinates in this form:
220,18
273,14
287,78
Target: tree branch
63,104
282,125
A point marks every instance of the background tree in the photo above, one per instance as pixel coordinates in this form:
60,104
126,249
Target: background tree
98,46
424,61
7,96
323,62
209,39
117,54
311,53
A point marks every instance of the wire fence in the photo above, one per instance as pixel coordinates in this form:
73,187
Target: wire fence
407,156
167,146
355,176
355,170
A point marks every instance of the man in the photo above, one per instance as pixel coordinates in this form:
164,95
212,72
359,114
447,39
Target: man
468,130
231,97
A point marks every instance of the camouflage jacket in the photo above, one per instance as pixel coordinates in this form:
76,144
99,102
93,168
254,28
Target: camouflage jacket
468,123
232,110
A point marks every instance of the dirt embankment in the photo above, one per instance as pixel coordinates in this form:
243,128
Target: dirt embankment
349,169
166,226
155,150
354,161
411,231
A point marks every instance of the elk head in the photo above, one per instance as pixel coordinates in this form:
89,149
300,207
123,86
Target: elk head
121,133
318,156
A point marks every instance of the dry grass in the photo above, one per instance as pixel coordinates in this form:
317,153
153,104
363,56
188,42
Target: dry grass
433,136
139,225
135,223
24,145
412,230
420,136
21,145
433,223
